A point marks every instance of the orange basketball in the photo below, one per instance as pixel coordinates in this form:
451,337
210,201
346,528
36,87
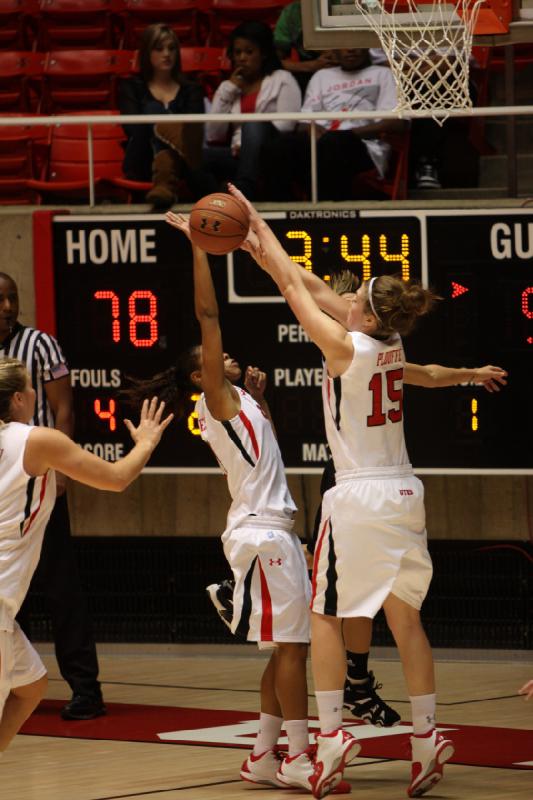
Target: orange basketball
218,223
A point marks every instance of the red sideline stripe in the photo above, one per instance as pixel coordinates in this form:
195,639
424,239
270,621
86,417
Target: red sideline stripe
316,558
250,428
266,603
43,488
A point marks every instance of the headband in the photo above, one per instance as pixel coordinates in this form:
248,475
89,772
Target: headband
371,283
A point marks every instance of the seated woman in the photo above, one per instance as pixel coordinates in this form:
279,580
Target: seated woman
170,152
257,84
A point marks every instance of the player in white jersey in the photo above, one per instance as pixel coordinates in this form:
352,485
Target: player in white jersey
372,549
272,589
29,457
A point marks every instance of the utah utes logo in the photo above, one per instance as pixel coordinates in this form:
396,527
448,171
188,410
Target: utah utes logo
273,561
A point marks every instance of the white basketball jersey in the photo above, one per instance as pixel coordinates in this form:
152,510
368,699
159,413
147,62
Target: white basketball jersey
25,506
363,408
248,453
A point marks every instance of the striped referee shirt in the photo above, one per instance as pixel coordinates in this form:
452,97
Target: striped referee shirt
44,360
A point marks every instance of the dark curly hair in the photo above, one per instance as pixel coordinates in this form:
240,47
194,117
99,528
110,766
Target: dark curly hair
172,386
261,35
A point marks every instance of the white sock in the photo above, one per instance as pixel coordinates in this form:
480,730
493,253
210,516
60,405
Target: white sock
298,735
330,709
423,713
268,733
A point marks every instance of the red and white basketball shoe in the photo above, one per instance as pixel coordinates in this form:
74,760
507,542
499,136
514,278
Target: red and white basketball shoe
297,771
430,752
334,751
263,768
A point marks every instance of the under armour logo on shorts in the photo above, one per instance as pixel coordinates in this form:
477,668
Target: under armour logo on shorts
273,561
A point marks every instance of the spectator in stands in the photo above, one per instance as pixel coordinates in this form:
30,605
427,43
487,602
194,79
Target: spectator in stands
170,152
288,39
345,147
442,154
256,84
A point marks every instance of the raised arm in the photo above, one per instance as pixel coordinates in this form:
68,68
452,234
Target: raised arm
48,448
435,376
331,337
221,397
59,396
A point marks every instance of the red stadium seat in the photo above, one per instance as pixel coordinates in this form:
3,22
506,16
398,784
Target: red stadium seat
79,23
83,79
16,18
20,80
227,14
187,19
22,150
207,65
67,172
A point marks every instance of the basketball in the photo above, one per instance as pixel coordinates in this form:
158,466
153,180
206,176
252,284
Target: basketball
218,223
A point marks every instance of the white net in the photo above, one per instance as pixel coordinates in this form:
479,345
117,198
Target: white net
428,48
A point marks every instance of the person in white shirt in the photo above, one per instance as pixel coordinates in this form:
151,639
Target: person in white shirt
29,458
257,84
345,148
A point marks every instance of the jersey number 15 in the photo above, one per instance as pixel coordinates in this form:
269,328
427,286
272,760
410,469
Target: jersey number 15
394,394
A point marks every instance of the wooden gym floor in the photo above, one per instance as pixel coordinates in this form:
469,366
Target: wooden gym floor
204,695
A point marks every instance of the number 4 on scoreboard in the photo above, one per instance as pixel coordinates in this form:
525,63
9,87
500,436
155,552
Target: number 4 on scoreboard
108,414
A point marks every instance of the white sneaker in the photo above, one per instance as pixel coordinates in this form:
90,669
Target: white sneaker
334,751
262,769
429,754
296,771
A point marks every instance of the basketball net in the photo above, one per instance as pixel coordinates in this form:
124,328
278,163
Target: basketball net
428,49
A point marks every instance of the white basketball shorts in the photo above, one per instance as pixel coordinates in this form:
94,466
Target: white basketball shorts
19,663
372,542
272,587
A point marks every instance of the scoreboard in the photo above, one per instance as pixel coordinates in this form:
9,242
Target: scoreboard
123,298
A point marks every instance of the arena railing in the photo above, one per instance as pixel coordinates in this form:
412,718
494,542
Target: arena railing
296,116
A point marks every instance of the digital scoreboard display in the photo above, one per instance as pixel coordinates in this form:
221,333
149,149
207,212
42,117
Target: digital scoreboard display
124,306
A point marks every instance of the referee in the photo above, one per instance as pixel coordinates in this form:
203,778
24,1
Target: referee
57,573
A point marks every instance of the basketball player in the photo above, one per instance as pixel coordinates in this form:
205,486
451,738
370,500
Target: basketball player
360,689
372,547
29,457
272,589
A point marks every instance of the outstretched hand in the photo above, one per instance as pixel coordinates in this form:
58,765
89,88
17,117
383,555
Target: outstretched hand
255,382
260,240
179,221
151,426
252,245
492,378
